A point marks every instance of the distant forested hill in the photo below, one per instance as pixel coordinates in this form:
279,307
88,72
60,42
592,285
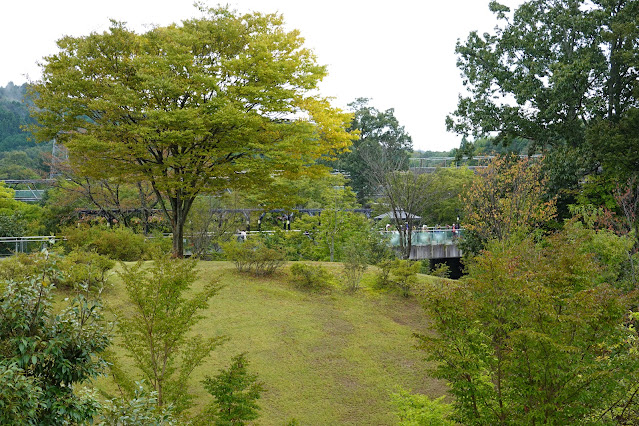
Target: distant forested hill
13,114
20,157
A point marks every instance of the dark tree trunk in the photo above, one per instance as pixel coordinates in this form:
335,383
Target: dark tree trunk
178,240
180,207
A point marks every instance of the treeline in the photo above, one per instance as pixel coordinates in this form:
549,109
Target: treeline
20,156
14,114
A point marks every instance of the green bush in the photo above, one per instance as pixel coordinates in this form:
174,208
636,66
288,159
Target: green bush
440,270
404,274
383,279
48,356
311,277
399,274
418,410
80,269
239,253
77,270
268,261
117,243
142,409
253,256
355,263
22,266
19,395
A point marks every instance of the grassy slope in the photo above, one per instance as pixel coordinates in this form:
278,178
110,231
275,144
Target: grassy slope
325,359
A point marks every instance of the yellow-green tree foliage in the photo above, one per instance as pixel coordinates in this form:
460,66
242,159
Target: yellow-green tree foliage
17,218
225,100
507,196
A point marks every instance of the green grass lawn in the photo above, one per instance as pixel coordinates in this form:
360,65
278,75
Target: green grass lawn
325,359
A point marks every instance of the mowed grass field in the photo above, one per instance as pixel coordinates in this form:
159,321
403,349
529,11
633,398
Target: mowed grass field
326,359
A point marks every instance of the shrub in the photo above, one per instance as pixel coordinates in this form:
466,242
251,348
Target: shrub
22,266
401,274
404,274
253,256
383,279
416,410
142,409
47,355
117,243
82,269
19,395
239,253
77,270
355,259
311,277
440,270
267,261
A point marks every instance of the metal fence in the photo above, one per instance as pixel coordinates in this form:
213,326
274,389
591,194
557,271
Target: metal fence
431,236
12,245
31,244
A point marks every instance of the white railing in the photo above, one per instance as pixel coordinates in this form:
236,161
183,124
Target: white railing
12,245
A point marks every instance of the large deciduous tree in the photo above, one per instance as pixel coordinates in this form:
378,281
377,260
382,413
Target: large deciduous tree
549,72
382,141
549,69
225,100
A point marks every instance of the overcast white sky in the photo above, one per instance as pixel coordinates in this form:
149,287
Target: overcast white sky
398,53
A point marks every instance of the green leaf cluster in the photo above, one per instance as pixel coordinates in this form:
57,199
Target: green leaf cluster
19,396
141,409
43,355
532,335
